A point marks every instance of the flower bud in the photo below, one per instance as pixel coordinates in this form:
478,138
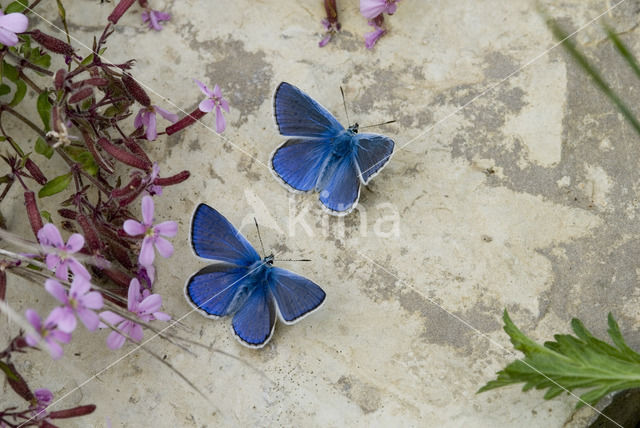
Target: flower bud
135,90
72,413
90,234
58,80
174,179
80,95
119,10
123,155
188,120
67,213
32,212
35,171
51,43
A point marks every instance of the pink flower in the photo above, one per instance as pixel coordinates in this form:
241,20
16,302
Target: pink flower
147,117
47,332
59,257
152,189
153,18
151,233
44,397
372,8
144,305
80,301
371,38
214,100
10,25
330,23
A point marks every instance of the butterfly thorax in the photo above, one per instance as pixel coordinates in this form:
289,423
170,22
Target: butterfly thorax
344,144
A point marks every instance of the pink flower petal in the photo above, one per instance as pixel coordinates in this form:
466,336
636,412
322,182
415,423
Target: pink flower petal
152,131
133,228
136,332
34,319
66,319
115,340
150,304
147,255
93,300
32,340
55,350
205,90
167,228
217,92
79,286
56,290
52,261
75,243
221,124
62,271
134,293
14,22
161,316
147,210
137,122
78,268
111,317
50,235
8,38
60,336
224,104
164,247
206,105
171,117
372,8
89,318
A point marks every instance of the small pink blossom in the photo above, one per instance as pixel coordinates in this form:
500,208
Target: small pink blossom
371,38
152,189
47,332
144,305
59,258
154,17
370,9
44,397
10,25
214,100
152,234
80,301
146,117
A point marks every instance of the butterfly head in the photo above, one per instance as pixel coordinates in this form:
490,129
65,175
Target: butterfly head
268,260
354,128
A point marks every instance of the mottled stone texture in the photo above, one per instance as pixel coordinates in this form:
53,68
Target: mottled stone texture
508,189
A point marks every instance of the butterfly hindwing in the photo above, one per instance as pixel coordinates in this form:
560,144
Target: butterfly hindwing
298,115
213,237
372,152
300,162
339,185
217,290
254,322
295,295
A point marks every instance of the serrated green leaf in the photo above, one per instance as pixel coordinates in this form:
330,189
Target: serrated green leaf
571,362
21,91
55,185
16,6
44,109
43,148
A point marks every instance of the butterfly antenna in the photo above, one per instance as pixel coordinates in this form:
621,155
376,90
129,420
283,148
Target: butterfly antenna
378,124
293,260
259,237
344,102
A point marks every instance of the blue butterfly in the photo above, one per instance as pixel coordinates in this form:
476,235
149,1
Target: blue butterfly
323,156
244,285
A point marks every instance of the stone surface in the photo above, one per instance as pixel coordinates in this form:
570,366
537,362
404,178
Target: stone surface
509,189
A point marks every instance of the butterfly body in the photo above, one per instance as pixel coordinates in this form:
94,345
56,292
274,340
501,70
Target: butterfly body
323,156
244,285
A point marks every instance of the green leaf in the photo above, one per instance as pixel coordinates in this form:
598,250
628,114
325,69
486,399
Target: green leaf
4,89
21,91
46,215
571,362
9,71
44,110
43,148
55,185
17,6
87,60
84,158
